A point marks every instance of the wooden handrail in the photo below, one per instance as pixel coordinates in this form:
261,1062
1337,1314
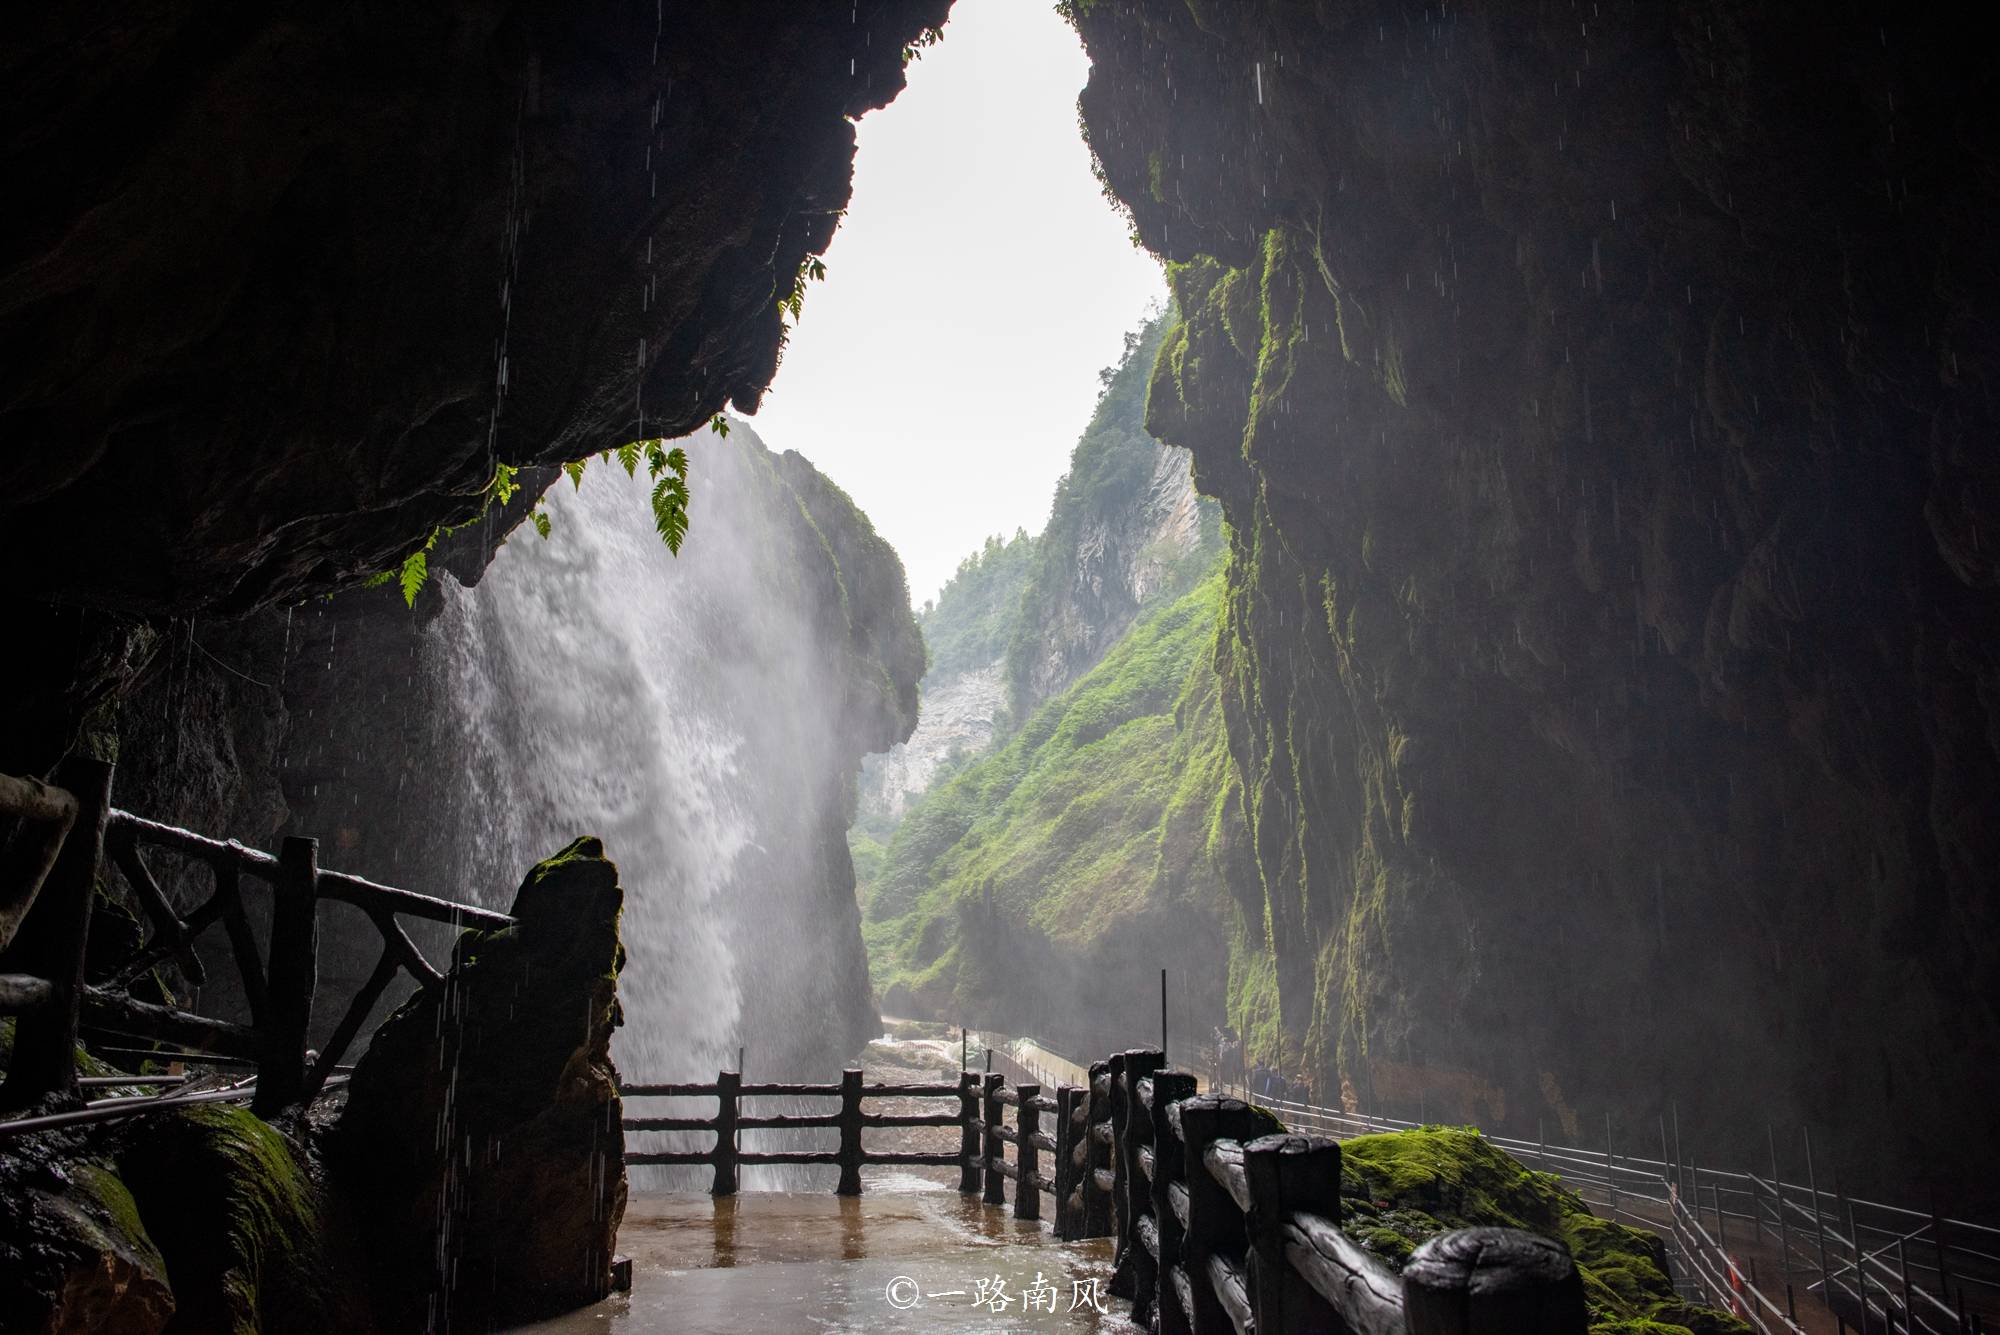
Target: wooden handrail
47,885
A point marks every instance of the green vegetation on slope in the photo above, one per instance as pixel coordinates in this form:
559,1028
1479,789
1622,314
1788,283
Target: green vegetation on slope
978,610
1110,806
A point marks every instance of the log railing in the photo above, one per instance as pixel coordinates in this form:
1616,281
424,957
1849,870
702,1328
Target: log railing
1223,1220
1231,1223
726,1155
65,834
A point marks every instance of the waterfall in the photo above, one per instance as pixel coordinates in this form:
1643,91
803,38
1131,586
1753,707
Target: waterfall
575,676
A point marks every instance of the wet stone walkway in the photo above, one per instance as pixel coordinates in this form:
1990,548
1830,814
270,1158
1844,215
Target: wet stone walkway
910,1255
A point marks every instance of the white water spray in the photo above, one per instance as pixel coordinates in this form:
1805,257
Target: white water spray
570,673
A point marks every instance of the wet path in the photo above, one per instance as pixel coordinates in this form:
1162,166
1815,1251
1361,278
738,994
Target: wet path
910,1255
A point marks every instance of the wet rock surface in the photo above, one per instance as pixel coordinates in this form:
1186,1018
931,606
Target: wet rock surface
480,1147
74,1254
284,286
1594,400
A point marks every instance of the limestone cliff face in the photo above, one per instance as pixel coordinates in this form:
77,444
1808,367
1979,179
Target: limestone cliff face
1022,620
959,718
279,289
1125,530
1100,568
1600,404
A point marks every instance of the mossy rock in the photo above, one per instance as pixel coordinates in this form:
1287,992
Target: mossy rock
74,1253
1402,1188
239,1219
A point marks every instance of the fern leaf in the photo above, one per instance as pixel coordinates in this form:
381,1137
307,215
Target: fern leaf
670,517
628,455
378,579
677,461
540,519
575,470
719,425
416,569
656,459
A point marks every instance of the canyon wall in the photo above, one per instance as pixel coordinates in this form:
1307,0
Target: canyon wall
1600,401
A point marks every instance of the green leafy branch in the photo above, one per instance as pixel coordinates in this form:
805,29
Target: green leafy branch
666,468
928,37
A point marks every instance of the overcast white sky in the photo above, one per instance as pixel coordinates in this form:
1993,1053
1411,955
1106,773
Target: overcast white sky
947,364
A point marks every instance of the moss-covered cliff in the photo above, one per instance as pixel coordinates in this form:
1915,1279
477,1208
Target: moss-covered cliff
1597,405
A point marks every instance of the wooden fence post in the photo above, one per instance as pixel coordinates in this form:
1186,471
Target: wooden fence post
850,1134
1483,1281
50,944
1170,1168
1287,1174
289,979
1130,1199
1097,1152
995,1149
1069,1205
728,1097
1027,1156
1216,1225
969,1164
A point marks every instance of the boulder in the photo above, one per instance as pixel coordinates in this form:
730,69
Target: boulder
74,1253
483,1123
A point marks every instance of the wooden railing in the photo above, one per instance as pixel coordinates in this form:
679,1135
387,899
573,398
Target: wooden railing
65,834
1222,1219
725,1155
1227,1222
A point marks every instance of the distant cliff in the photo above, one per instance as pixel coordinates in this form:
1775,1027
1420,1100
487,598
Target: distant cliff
1053,831
1023,618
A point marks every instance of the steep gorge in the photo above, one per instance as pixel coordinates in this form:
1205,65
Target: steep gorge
1599,402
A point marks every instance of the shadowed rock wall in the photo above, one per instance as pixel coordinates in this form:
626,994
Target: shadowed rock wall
1601,402
280,288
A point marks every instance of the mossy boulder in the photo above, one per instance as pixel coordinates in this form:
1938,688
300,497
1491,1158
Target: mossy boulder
483,1122
1400,1189
74,1253
240,1221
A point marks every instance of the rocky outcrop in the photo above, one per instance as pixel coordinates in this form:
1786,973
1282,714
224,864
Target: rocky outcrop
281,288
482,1126
1399,1190
481,1137
1595,402
184,1222
959,718
1126,531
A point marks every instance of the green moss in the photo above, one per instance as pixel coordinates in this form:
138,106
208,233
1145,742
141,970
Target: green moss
237,1218
1404,1187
